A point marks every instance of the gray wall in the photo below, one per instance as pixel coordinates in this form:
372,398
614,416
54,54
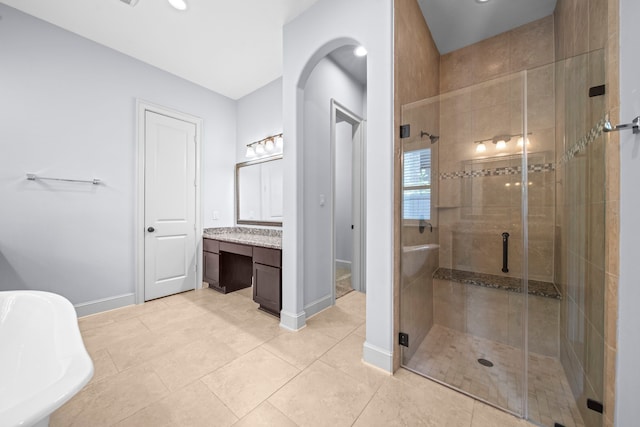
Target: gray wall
67,109
628,375
326,81
259,116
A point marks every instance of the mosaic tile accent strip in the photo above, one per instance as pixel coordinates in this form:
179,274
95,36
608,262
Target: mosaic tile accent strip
511,284
511,170
584,142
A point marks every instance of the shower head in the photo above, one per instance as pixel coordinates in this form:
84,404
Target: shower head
433,138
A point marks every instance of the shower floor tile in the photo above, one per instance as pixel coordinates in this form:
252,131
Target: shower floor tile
452,357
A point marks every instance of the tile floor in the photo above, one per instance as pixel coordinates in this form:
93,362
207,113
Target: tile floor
202,358
451,356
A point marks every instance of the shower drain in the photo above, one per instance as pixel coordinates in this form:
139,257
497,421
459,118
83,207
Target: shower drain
485,362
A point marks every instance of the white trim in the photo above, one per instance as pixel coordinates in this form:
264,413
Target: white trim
141,107
104,304
377,357
320,304
291,321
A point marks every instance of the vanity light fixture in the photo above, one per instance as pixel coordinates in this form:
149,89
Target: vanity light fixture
360,51
501,144
269,145
500,141
178,4
521,141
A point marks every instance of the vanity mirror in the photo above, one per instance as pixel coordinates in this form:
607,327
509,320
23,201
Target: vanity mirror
259,191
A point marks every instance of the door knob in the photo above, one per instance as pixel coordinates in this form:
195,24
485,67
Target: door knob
151,229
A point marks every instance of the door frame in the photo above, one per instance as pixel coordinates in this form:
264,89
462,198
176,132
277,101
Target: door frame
141,107
359,181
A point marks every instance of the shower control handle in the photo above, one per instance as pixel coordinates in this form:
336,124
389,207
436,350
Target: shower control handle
151,229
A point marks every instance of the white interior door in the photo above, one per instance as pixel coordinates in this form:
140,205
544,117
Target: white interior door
170,185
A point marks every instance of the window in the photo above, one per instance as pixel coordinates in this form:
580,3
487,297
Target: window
416,187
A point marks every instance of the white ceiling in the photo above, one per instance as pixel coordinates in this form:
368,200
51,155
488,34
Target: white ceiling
351,64
234,47
459,23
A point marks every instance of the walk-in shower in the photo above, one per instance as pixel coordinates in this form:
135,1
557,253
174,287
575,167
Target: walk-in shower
502,298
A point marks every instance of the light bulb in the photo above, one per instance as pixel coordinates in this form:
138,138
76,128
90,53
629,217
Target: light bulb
259,149
501,145
521,141
481,148
279,142
250,152
178,4
269,145
360,51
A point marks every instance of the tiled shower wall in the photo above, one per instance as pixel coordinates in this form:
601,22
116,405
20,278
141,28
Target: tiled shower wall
479,198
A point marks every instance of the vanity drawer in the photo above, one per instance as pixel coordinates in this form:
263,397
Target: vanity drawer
235,248
209,245
266,256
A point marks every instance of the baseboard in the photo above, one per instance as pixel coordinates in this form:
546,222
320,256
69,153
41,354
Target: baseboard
105,304
377,357
291,321
340,263
318,305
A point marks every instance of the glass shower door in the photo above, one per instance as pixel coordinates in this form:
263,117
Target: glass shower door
566,371
462,298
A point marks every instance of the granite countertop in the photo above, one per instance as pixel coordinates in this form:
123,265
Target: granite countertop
264,237
512,284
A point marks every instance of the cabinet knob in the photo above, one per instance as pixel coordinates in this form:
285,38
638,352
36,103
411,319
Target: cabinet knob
151,229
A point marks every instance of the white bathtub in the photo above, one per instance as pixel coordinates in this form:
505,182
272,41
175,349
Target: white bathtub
43,361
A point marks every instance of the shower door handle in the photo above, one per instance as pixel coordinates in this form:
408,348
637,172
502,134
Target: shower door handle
505,252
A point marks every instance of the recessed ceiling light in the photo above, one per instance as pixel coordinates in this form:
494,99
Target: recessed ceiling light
178,4
360,51
481,1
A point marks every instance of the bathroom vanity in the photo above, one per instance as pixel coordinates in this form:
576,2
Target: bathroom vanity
236,258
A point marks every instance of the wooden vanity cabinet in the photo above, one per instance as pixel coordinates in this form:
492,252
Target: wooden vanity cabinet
228,267
267,279
211,263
